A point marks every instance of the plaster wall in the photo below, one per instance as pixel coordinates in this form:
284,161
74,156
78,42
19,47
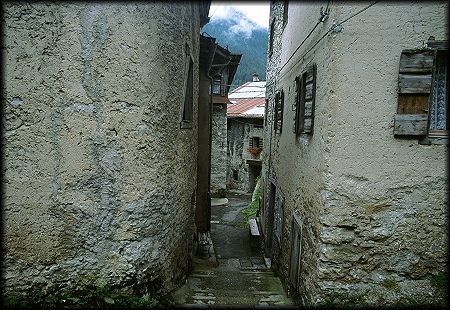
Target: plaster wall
98,175
391,194
373,207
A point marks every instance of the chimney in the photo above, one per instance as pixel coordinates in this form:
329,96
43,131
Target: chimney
255,77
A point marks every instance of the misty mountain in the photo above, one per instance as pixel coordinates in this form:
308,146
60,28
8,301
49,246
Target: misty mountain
242,36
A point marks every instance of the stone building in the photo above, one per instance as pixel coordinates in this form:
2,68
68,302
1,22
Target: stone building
245,116
355,172
100,143
222,72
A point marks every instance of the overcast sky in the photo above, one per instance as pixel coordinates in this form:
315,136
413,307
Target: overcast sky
257,11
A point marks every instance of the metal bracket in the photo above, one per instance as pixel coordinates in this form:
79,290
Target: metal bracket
336,28
324,14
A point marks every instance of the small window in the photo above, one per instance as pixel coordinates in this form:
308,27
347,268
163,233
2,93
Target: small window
278,111
271,34
422,107
216,85
296,252
235,175
305,98
255,142
189,96
285,12
279,217
439,96
265,110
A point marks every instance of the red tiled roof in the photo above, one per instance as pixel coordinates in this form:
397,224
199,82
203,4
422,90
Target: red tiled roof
243,105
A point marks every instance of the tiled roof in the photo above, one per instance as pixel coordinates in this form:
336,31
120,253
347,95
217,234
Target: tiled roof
249,90
248,100
246,107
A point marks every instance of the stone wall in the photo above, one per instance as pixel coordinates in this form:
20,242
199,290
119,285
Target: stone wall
219,150
236,136
98,176
373,207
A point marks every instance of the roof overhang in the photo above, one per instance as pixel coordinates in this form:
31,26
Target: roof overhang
220,100
204,12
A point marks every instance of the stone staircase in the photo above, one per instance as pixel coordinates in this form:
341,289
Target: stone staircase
233,282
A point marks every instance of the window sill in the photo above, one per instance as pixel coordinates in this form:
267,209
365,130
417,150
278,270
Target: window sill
435,140
186,125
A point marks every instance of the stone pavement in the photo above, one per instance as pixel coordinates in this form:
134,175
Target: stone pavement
235,275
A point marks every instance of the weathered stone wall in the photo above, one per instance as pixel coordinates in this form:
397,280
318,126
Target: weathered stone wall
98,175
236,137
219,150
270,140
373,207
385,212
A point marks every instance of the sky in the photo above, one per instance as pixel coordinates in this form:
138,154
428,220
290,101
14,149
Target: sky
257,11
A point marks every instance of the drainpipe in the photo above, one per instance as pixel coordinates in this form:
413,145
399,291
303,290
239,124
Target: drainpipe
204,238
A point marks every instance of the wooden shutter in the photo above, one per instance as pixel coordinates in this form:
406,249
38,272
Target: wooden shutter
306,98
414,88
310,98
297,115
279,216
296,251
280,112
275,111
279,105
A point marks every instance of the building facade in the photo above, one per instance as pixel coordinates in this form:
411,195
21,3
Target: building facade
99,144
245,116
355,172
222,72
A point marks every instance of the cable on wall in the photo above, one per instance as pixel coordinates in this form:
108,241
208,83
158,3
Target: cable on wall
337,27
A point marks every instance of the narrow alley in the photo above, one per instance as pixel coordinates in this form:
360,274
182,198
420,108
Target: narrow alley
235,273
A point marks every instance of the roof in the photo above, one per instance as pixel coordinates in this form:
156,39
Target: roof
247,107
249,90
248,100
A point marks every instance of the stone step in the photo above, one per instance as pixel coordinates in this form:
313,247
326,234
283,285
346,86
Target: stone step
240,300
247,272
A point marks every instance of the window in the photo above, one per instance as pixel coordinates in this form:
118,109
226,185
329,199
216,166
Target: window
256,142
272,29
422,107
296,251
235,175
285,12
278,111
265,112
216,85
305,98
186,121
439,117
279,216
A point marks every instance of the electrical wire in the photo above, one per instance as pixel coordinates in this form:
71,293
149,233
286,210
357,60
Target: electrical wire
309,34
321,38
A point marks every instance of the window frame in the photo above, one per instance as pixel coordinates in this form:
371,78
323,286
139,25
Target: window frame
431,132
415,98
271,37
285,12
217,83
187,113
278,112
308,77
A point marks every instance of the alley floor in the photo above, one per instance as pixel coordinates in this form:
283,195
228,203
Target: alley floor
236,274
